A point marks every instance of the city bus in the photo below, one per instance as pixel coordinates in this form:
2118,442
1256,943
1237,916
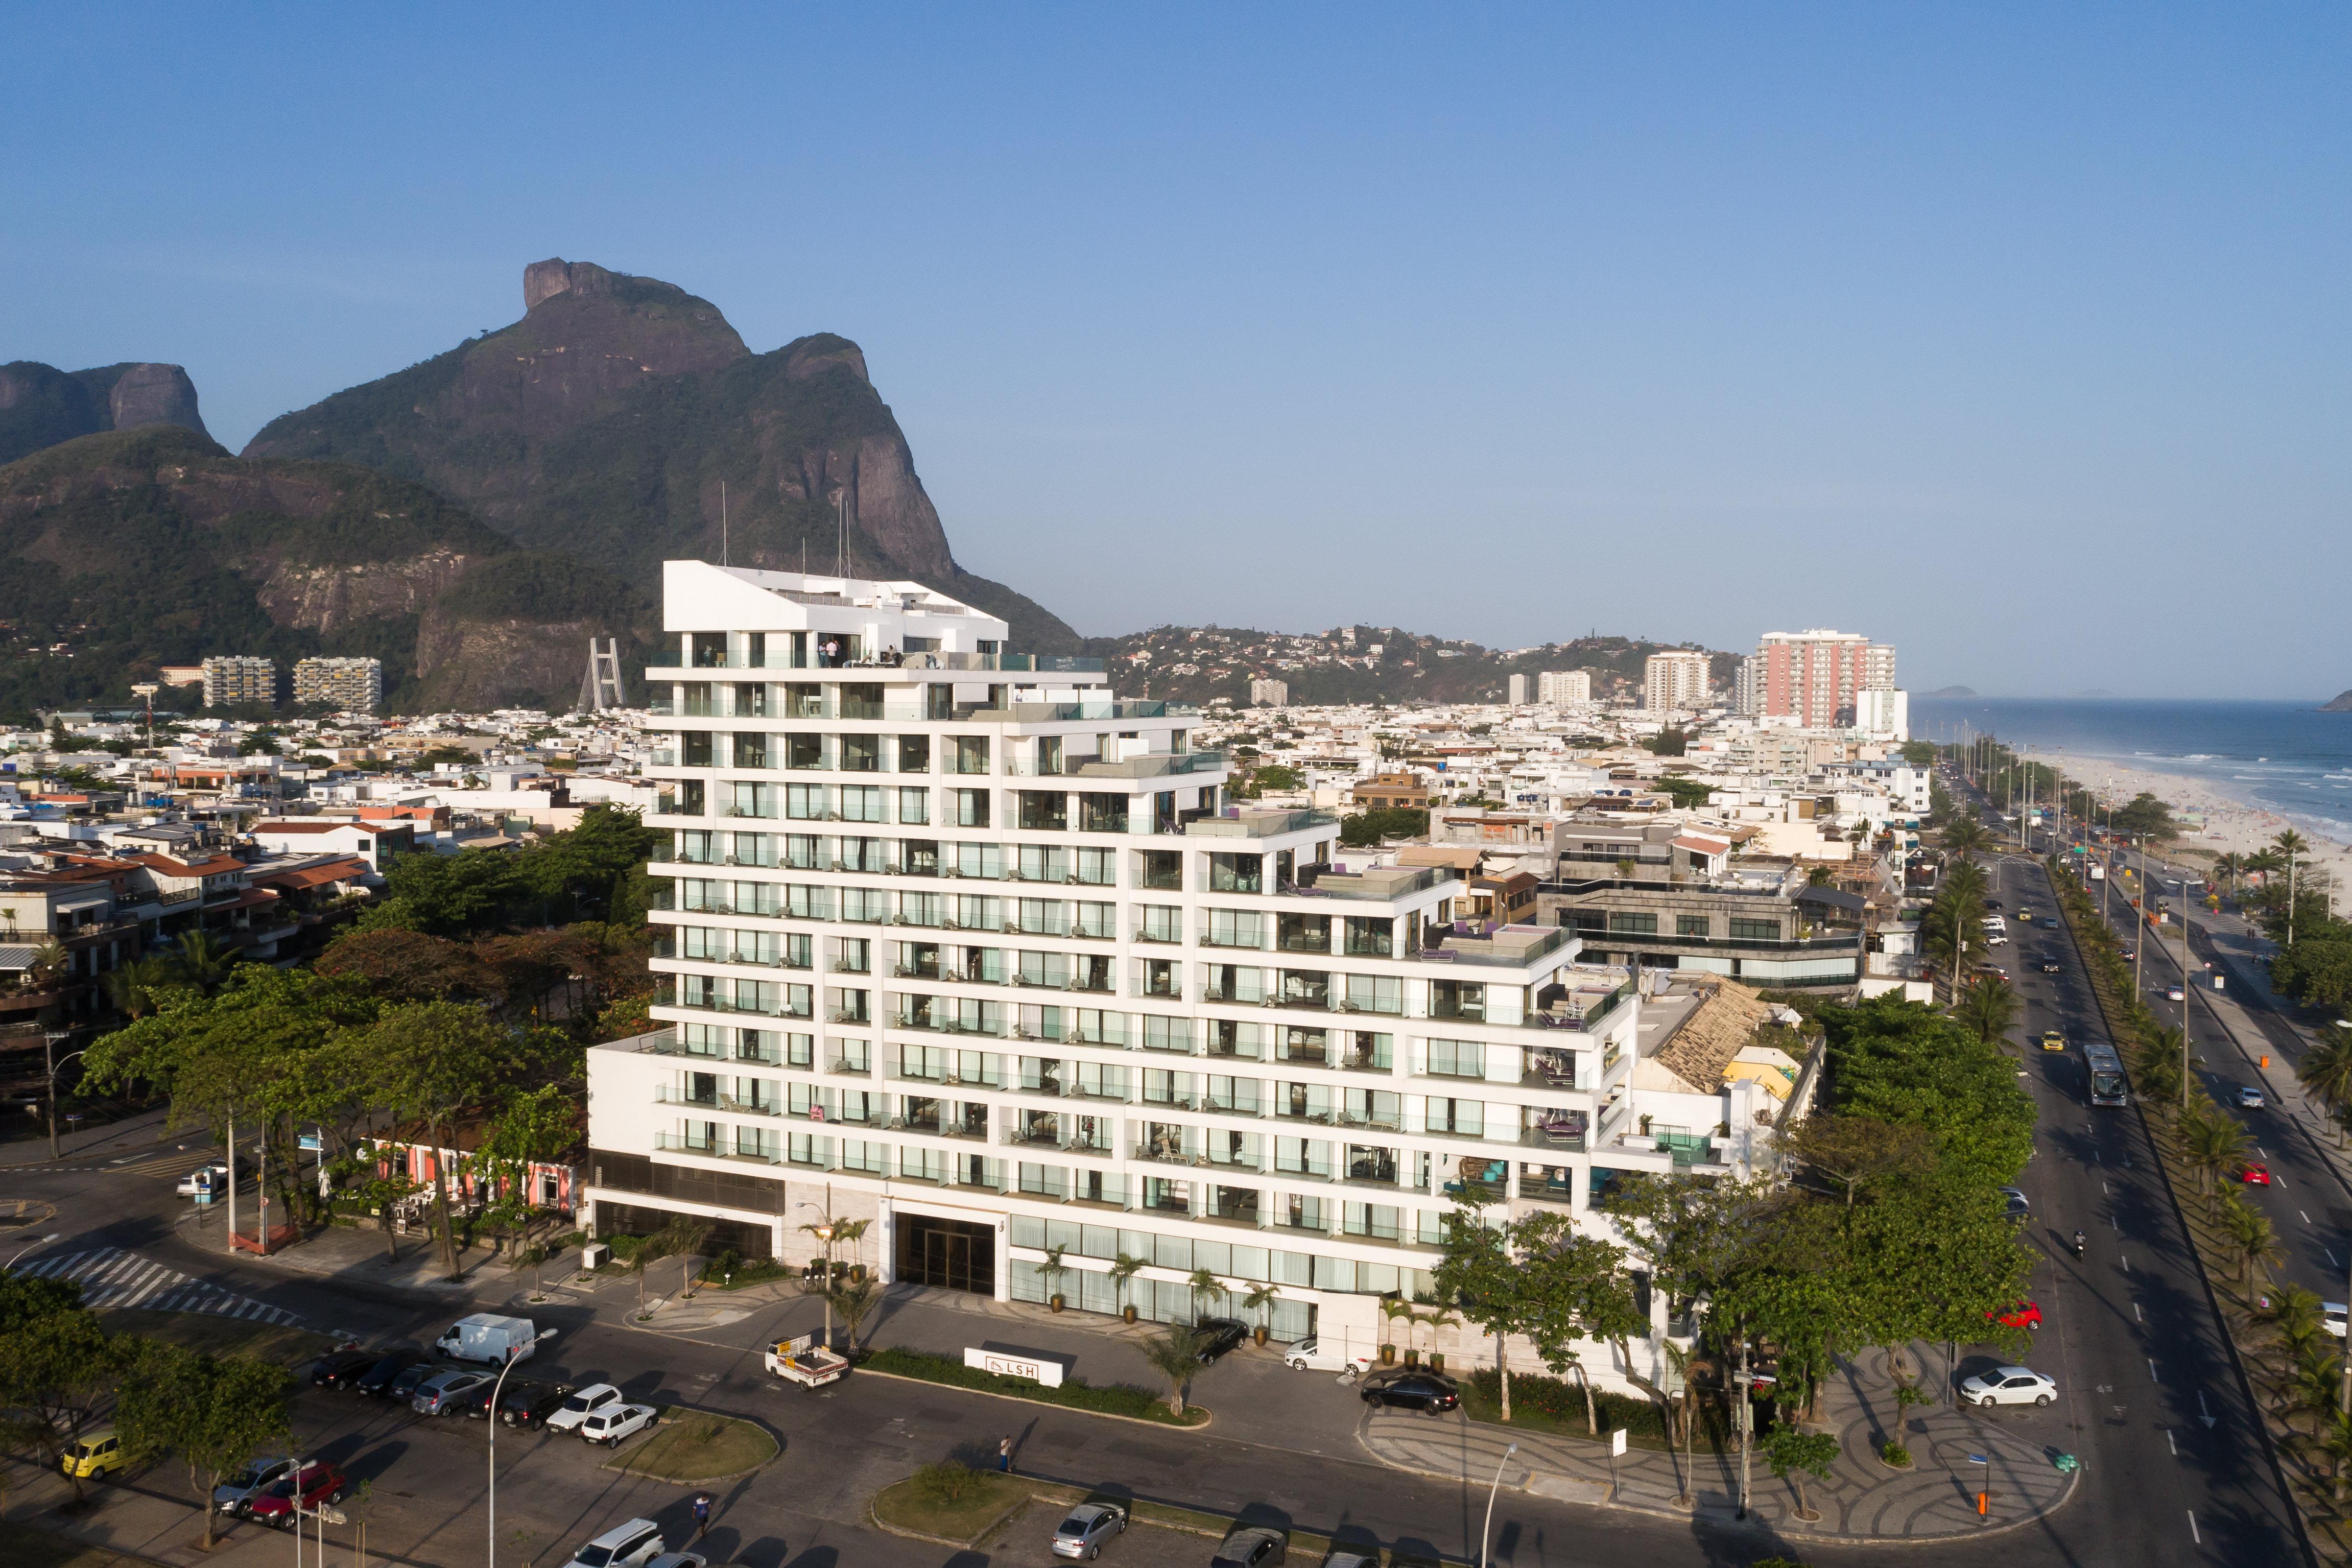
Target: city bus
2108,1085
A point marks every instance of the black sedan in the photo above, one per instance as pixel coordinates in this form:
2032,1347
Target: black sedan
531,1404
1218,1335
1423,1391
410,1378
473,1402
340,1369
378,1378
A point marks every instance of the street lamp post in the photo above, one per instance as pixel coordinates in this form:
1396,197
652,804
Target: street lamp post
51,1064
36,1247
512,1362
1488,1529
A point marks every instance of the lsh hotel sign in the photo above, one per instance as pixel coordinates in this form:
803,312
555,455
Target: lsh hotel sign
1003,1364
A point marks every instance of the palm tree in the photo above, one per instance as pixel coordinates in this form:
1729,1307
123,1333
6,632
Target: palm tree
2263,863
2291,844
1121,1271
50,963
1965,836
2249,1231
1261,1299
1175,1355
1205,1288
2325,1072
204,962
1988,1006
2217,1140
2228,865
135,988
1052,1270
853,1300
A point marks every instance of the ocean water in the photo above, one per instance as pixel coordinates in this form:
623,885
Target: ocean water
2285,757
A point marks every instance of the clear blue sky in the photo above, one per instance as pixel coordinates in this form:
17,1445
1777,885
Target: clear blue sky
2016,335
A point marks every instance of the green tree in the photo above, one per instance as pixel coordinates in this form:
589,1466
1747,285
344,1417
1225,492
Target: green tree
1480,1278
216,1411
1855,1152
1794,1455
2217,1143
2252,1236
535,1127
56,1365
436,1060
1123,1269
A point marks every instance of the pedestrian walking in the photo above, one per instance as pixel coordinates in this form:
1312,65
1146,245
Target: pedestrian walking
1004,1455
702,1515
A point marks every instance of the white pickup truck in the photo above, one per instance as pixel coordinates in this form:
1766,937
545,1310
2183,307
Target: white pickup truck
806,1362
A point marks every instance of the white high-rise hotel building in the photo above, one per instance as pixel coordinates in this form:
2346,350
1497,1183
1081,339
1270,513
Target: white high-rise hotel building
962,946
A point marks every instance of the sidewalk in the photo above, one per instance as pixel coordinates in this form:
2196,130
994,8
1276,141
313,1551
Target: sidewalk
1864,1500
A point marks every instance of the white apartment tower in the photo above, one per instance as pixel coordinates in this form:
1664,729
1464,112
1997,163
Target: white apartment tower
962,946
1674,681
1564,687
353,685
1518,690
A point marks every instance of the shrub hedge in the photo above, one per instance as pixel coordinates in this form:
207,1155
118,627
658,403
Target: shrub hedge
1078,1393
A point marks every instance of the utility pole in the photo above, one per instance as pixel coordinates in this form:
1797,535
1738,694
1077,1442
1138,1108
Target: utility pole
49,1063
2188,991
1743,1381
2137,944
232,1182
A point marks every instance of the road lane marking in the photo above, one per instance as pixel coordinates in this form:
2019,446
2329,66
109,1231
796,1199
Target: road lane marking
2170,1444
2331,1257
2262,1151
2151,1373
2306,1218
2126,1261
2135,1315
2192,1528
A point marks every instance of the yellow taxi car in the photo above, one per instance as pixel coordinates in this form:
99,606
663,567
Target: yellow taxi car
2051,1040
93,1458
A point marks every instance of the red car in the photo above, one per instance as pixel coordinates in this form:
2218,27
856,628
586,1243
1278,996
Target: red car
321,1484
2025,1315
2254,1173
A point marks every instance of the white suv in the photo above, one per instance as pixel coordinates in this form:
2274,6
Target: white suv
2009,1385
595,1396
627,1546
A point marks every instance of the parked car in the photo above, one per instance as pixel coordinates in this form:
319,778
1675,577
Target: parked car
629,1545
1341,1558
416,1376
489,1336
533,1402
577,1408
2249,1097
1427,1391
1251,1548
1218,1335
1089,1524
682,1559
377,1379
340,1369
2025,1315
475,1402
442,1395
2009,1385
2331,1318
1318,1354
2254,1173
94,1456
614,1422
320,1484
236,1496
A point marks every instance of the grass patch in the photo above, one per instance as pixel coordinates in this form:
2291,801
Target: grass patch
1078,1393
692,1446
22,1546
912,1505
1556,1406
206,1333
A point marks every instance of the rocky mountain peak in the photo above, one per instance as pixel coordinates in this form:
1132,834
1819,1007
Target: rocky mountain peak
41,405
545,280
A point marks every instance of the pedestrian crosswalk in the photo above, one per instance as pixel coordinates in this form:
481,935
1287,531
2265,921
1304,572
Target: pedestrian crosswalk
110,1277
172,1164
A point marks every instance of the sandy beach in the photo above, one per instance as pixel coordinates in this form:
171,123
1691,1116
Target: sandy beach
2230,826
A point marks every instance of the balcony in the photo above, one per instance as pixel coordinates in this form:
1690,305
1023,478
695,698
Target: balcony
1564,1130
752,1107
1248,823
713,1148
1383,884
666,1094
